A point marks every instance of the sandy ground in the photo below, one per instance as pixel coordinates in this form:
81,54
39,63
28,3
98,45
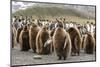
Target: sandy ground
25,58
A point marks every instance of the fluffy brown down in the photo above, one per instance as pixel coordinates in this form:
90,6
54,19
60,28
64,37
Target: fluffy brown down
75,40
62,43
24,39
34,29
51,37
14,35
12,38
52,32
41,39
83,41
95,41
89,43
18,33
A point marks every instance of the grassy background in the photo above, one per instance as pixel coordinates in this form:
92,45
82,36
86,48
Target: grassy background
54,12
